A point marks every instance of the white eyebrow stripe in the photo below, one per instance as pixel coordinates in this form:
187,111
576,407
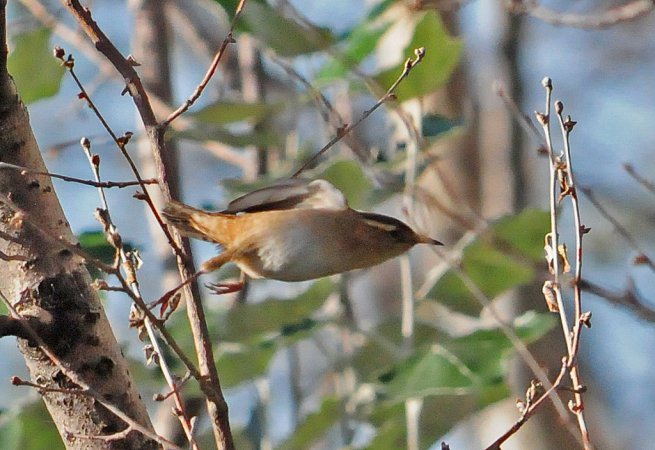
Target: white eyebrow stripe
381,225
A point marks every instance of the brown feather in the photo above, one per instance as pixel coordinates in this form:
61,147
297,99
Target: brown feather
199,224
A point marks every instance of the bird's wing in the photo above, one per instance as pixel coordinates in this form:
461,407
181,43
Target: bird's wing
289,194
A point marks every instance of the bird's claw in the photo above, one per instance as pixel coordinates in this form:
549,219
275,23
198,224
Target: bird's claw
224,288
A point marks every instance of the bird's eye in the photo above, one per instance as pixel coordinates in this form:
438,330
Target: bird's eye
396,233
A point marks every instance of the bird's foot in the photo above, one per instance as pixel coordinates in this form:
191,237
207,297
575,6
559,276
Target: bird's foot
224,288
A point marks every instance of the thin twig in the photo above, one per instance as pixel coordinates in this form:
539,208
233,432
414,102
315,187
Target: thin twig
561,185
113,237
612,16
529,411
98,184
389,95
327,111
523,119
629,298
566,126
648,184
521,349
229,39
121,143
619,228
552,239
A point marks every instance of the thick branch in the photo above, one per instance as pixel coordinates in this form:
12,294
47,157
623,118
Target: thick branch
209,381
49,283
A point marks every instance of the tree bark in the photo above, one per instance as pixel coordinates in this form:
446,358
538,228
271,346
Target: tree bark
150,45
47,283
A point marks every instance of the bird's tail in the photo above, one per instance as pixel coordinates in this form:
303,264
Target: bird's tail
195,223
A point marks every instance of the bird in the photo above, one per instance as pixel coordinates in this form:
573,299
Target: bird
295,230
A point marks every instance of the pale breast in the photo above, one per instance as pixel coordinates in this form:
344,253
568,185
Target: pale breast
294,247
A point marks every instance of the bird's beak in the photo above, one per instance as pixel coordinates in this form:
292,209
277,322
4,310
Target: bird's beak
428,240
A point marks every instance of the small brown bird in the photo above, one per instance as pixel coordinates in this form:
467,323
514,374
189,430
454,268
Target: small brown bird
295,230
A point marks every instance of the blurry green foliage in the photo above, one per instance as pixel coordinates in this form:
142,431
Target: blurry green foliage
284,35
315,425
94,242
435,126
441,57
225,112
503,257
29,427
359,43
32,65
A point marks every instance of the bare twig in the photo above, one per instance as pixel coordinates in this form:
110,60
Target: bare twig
327,111
523,119
628,298
643,257
229,39
68,34
98,184
389,95
127,262
648,184
552,239
612,16
562,185
569,189
121,143
530,408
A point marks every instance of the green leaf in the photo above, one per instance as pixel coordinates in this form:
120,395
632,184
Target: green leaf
314,426
230,112
434,125
486,352
287,37
493,270
29,428
94,242
532,326
380,353
36,72
471,365
392,432
441,58
525,232
349,177
428,373
360,43
438,416
248,362
229,6
217,133
274,317
242,366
